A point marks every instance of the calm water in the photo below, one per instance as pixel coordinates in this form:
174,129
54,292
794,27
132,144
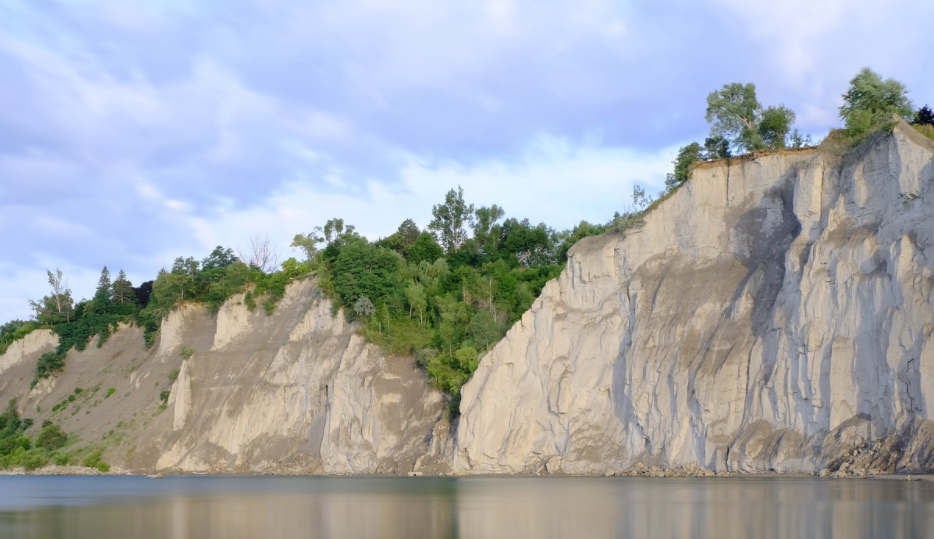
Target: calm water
488,508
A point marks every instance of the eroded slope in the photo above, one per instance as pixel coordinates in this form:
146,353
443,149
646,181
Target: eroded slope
773,314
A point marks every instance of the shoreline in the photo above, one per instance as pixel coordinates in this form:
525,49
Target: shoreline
78,471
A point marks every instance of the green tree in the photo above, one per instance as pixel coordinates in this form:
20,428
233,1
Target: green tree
336,233
870,101
687,156
103,295
58,307
774,126
483,329
52,437
924,116
640,200
122,290
363,269
424,248
734,114
308,243
9,331
531,245
716,147
451,219
219,258
418,302
484,225
579,232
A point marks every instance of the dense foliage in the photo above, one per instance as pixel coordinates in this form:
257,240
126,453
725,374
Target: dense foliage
16,449
211,281
444,295
870,102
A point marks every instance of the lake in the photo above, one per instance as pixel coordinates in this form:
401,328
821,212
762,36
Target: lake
198,507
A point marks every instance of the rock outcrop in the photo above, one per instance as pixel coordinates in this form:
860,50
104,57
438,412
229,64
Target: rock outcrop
774,314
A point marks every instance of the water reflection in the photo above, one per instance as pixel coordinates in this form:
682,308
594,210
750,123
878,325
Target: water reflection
489,508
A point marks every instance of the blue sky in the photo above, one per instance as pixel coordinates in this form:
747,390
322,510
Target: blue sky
135,132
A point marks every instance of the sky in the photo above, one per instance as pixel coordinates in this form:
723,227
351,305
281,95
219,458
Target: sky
134,132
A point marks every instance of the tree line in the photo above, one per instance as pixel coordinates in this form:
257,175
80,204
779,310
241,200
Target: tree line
740,124
444,294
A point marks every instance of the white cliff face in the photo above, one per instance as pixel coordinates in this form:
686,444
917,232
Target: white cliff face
773,314
295,392
36,343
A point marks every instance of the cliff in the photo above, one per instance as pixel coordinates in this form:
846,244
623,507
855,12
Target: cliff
775,314
295,392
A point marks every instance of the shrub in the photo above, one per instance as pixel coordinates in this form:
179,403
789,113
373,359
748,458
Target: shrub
110,392
186,352
34,461
52,437
48,364
61,459
94,461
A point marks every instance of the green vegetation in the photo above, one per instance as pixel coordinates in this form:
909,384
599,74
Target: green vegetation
870,102
14,330
738,124
737,117
212,282
923,123
16,449
52,437
110,392
93,460
445,295
185,352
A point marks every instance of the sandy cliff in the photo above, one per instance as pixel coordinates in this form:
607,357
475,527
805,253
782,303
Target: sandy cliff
295,392
773,314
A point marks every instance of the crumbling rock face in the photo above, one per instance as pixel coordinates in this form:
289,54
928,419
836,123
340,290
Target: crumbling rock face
295,392
775,314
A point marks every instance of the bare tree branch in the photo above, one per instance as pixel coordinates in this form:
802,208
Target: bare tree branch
261,255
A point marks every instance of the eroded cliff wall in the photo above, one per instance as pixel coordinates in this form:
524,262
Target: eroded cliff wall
773,314
295,392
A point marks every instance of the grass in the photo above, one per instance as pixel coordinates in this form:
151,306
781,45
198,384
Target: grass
927,130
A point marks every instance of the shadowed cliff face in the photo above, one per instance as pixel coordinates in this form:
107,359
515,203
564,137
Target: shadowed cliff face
773,314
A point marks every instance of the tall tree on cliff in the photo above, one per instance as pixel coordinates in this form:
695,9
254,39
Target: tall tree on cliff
451,219
736,115
869,101
58,307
